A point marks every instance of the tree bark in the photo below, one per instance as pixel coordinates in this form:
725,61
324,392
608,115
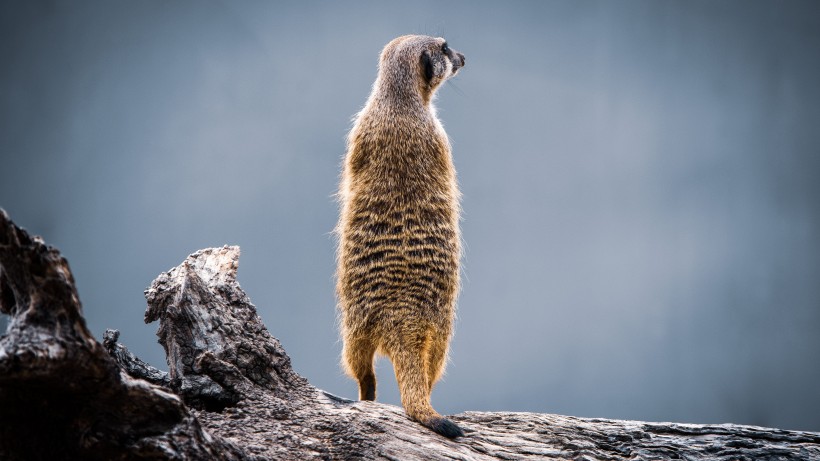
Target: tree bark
230,392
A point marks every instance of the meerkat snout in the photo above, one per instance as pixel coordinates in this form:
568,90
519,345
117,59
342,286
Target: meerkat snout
456,58
461,62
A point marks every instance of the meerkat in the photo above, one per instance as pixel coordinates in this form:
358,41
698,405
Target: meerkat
399,243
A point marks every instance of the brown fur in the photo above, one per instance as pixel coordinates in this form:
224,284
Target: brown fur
399,248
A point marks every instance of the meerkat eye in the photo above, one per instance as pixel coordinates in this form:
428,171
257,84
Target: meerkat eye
444,48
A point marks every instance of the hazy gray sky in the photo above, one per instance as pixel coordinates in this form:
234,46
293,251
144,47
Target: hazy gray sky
641,203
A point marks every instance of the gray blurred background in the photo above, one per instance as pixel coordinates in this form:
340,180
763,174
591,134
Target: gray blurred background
641,204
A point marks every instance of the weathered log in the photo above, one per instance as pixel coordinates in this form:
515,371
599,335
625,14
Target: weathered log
61,395
243,400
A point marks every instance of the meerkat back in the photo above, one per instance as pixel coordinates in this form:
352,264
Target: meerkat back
399,243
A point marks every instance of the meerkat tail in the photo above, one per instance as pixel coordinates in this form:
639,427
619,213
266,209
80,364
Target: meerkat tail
415,394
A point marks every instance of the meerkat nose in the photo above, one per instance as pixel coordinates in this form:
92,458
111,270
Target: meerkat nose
458,61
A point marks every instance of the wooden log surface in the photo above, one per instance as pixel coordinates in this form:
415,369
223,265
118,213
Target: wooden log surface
231,393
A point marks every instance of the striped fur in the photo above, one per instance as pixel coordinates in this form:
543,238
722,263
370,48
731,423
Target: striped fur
399,244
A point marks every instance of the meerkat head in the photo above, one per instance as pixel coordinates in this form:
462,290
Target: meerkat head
417,64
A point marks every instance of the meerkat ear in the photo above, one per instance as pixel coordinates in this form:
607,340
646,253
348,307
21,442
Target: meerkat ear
427,65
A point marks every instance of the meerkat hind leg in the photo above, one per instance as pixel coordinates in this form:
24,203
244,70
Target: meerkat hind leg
359,354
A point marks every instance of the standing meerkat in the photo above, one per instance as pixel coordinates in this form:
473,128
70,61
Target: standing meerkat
399,248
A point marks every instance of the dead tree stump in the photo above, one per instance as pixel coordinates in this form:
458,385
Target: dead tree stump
231,393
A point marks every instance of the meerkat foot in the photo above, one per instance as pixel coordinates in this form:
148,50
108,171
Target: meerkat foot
444,427
367,388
